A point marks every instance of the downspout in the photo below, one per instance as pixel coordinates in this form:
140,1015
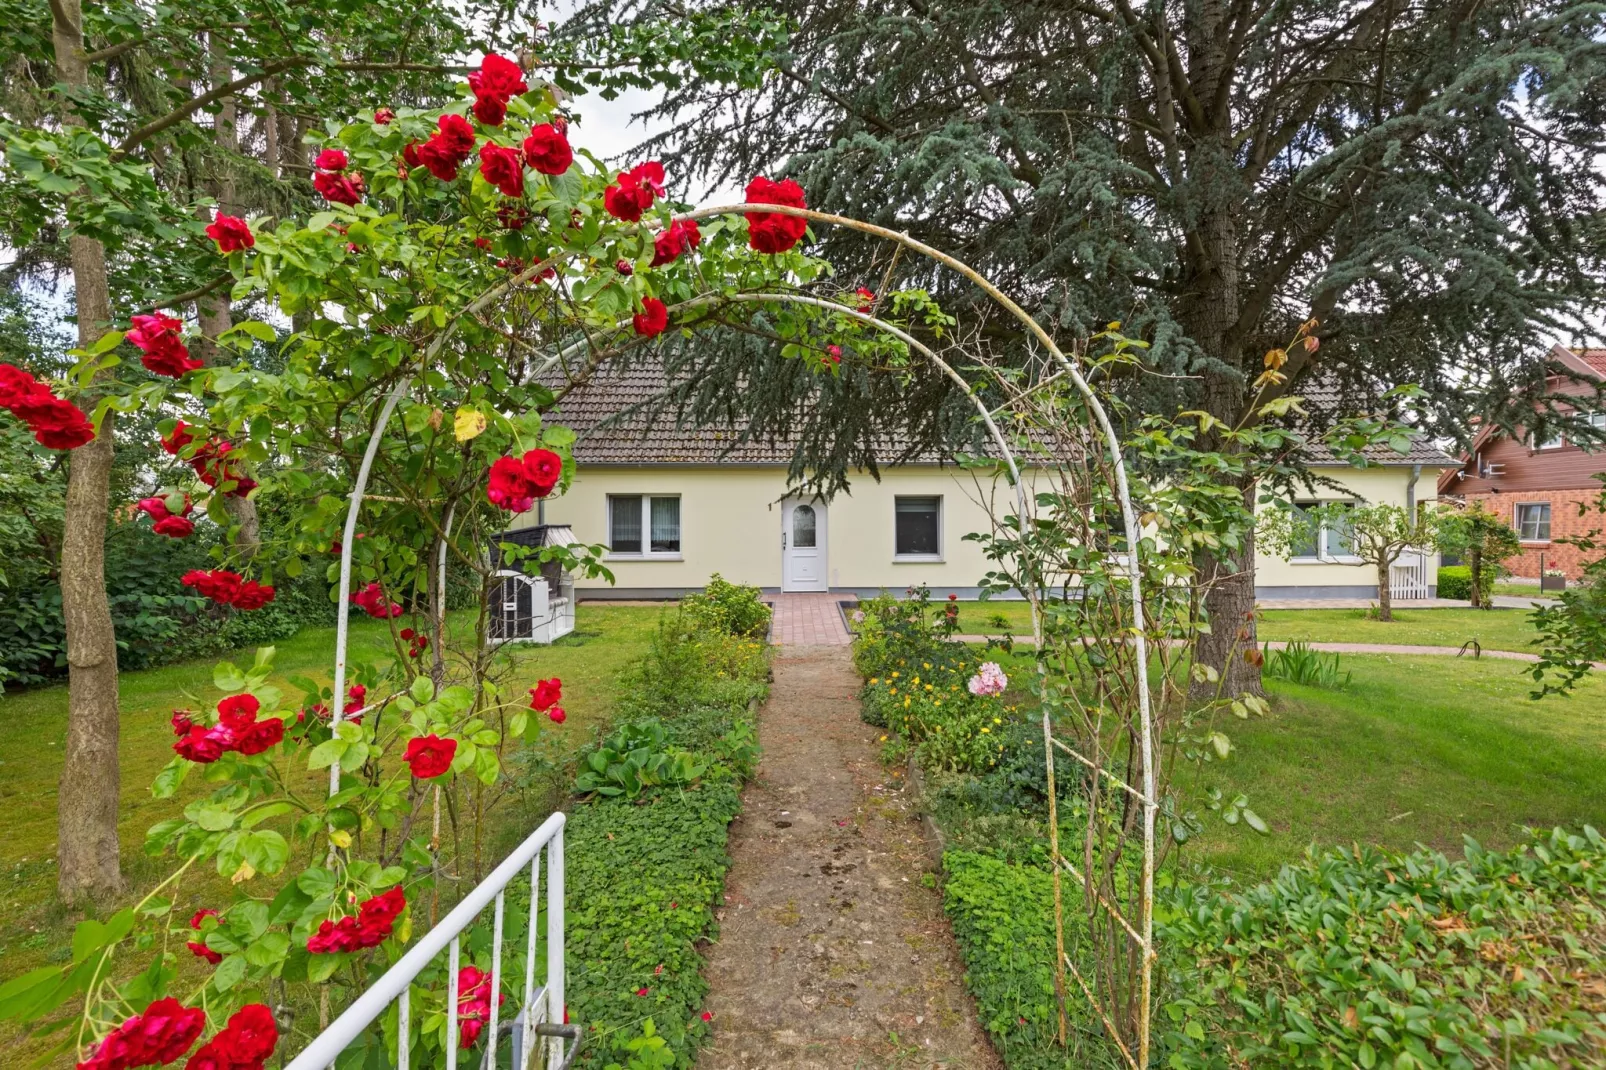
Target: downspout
1410,494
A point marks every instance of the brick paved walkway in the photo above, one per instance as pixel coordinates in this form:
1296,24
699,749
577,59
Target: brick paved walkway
807,620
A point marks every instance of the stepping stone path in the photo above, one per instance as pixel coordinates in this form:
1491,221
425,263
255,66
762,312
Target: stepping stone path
833,949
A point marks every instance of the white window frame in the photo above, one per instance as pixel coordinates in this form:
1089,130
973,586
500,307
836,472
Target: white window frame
1557,442
1322,555
1516,520
926,558
647,553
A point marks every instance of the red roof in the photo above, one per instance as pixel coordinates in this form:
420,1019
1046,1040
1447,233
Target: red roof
1595,358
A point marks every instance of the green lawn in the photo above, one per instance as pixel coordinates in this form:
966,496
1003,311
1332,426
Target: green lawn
1495,629
35,929
1418,750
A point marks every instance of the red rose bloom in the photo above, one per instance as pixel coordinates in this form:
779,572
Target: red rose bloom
548,151
383,908
159,1036
253,595
653,320
219,585
56,423
331,160
181,722
239,712
545,469
681,235
499,79
201,951
384,116
437,161
333,937
510,487
633,191
473,1004
766,231
373,602
546,693
175,527
454,135
338,188
557,715
430,756
513,216
201,915
156,337
356,695
624,267
261,736
200,745
176,439
502,168
16,384
249,1038
866,299
835,353
490,110
230,233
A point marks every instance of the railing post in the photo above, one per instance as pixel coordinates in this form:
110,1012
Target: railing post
554,942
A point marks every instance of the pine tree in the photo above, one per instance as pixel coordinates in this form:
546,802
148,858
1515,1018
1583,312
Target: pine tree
1421,178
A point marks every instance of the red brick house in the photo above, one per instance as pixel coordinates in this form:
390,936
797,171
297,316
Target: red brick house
1538,486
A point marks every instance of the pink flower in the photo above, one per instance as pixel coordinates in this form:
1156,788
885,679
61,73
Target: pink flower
989,680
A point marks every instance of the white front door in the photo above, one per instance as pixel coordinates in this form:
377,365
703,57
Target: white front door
803,546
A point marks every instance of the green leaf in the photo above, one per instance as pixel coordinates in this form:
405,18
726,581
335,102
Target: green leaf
106,343
327,753
230,972
226,676
266,850
268,951
316,882
322,967
261,814
422,689
1256,822
169,778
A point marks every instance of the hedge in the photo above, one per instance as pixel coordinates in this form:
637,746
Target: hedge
1455,581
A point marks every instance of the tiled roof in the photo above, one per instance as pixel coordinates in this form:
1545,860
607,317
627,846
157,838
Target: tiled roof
605,436
1325,397
1595,358
610,415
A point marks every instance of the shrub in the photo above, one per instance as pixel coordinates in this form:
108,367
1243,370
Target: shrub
731,608
635,757
1363,957
928,705
1455,581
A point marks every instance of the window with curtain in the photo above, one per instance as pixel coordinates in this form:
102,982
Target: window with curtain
1322,535
917,526
644,524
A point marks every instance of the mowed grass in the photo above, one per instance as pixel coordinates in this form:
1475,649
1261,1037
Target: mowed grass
1494,629
35,929
1416,750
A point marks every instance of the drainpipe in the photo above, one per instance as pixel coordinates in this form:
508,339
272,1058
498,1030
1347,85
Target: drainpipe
1410,494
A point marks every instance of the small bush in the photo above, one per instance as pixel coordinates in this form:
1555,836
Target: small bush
730,608
1364,957
928,705
1455,581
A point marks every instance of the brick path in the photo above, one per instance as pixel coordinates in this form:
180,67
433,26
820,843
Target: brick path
807,620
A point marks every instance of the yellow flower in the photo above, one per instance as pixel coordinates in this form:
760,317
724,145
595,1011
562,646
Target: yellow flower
875,679
894,674
984,728
893,690
883,739
925,664
997,721
928,687
906,702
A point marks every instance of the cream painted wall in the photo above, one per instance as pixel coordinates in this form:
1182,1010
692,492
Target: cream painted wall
731,524
1374,485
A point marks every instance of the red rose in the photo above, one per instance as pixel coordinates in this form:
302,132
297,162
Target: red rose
384,116
252,595
866,299
548,151
249,1037
557,715
331,160
624,267
653,319
513,216
502,168
498,77
769,232
510,486
356,695
430,756
338,188
176,527
200,745
544,468
176,439
230,233
835,353
219,585
56,423
181,722
16,384
333,937
546,693
261,736
201,951
239,712
633,191
156,336
437,161
490,110
208,1058
410,154
160,1035
680,236
386,907
447,148
373,602
201,915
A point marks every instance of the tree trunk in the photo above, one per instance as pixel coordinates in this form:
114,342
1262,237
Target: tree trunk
1230,604
1475,567
86,804
213,310
1385,603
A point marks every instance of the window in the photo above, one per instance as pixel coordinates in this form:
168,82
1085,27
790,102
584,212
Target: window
644,525
1322,531
803,527
1552,440
917,524
1533,522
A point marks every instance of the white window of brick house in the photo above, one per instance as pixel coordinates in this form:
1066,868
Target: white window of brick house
1533,521
643,525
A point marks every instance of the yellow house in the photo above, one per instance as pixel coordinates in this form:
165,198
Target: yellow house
677,504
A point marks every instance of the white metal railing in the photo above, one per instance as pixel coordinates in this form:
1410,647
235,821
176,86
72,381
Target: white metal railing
540,1015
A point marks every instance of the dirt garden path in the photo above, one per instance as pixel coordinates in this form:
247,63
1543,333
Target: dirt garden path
832,951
